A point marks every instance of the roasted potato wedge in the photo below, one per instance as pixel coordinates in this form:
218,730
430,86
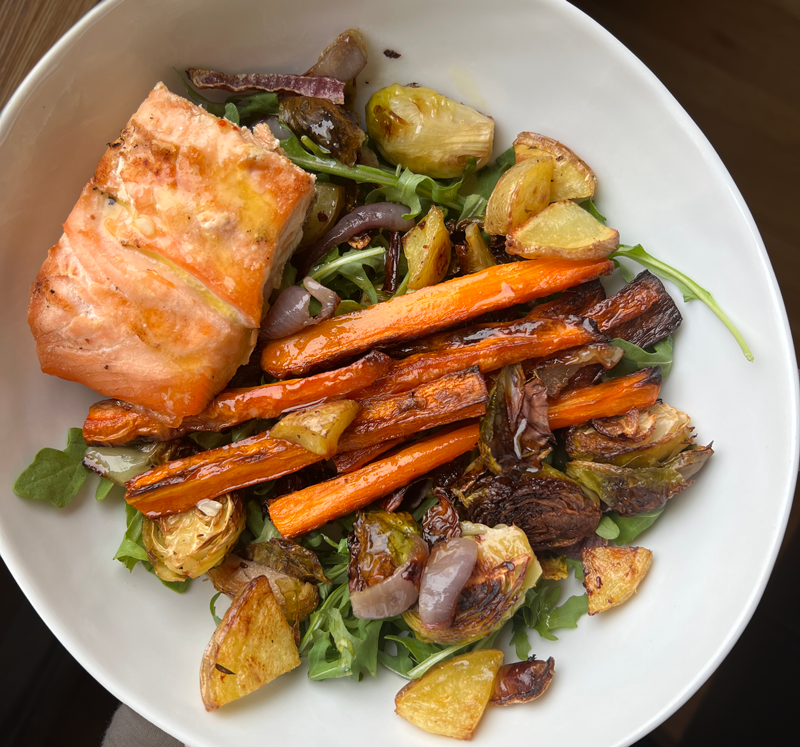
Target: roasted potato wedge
563,229
522,191
322,215
318,428
611,574
428,248
250,647
450,698
473,255
572,178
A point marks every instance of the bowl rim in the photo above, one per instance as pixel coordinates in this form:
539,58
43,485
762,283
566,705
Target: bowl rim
47,64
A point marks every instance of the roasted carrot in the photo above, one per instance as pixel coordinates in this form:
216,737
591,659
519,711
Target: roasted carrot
111,422
300,512
426,310
179,485
605,400
534,339
349,461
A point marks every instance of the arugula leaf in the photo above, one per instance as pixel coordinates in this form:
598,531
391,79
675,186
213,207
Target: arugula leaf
635,357
630,527
103,488
568,614
399,663
690,289
55,476
626,272
352,265
345,307
231,112
591,208
263,529
236,107
607,528
487,178
540,612
212,605
519,637
577,567
426,664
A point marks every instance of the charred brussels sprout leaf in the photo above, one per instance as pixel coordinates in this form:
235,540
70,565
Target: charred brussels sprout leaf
440,521
287,557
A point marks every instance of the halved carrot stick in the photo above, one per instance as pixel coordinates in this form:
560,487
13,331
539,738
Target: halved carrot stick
349,461
300,512
426,310
533,339
605,400
112,423
179,485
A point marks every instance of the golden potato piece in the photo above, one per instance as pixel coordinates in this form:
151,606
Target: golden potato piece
450,698
473,255
521,192
563,229
611,574
250,647
572,178
427,247
317,428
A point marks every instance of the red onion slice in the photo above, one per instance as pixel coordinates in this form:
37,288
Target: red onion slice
318,86
363,218
395,594
344,59
448,569
289,313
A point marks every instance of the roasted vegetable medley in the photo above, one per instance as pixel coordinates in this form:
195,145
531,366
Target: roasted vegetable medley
446,416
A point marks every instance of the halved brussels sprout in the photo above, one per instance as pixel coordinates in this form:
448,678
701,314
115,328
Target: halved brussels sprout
551,509
426,132
506,568
427,247
328,203
287,556
659,434
188,544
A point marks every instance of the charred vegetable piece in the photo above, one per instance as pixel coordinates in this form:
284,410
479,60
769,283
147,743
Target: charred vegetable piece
328,125
515,430
606,400
427,310
563,229
450,698
523,191
440,522
551,509
473,255
660,433
324,211
630,491
297,598
565,369
304,85
572,178
612,574
344,59
113,422
349,461
423,131
122,463
319,428
287,557
554,566
522,681
572,302
186,545
252,646
387,557
504,571
427,248
642,312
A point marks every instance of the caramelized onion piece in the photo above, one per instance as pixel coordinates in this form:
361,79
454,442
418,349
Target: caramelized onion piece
344,59
448,569
392,595
289,313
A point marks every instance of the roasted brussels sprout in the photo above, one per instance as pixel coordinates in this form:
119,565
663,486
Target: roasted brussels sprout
562,369
645,439
506,568
287,556
427,248
554,566
421,130
327,124
612,574
441,521
188,544
297,598
551,509
328,203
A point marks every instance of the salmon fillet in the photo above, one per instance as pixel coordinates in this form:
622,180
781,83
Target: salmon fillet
155,291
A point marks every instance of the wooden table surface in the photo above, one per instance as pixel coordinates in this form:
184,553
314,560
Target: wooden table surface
735,66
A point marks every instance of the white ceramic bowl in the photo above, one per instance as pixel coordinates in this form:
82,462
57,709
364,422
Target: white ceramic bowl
533,65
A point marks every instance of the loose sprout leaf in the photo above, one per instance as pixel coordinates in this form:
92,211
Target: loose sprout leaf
591,208
630,527
55,476
519,637
635,357
103,488
607,528
347,306
690,289
212,606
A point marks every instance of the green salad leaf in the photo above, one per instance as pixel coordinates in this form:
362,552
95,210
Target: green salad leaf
237,107
540,612
351,267
690,289
630,527
212,605
55,476
103,488
263,529
607,528
659,354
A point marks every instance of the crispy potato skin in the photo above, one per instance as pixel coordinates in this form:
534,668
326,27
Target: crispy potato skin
612,574
450,698
251,647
